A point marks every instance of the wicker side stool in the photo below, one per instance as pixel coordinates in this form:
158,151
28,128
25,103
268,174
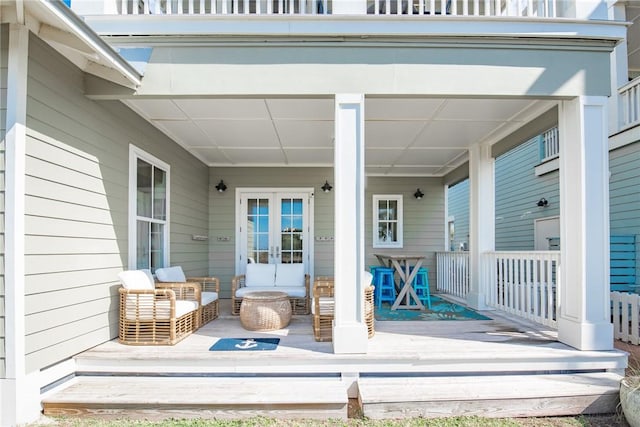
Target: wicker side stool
265,311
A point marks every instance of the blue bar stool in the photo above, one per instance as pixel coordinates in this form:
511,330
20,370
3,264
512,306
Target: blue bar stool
385,286
420,285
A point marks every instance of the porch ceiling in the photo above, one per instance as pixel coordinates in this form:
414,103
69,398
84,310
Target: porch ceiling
403,136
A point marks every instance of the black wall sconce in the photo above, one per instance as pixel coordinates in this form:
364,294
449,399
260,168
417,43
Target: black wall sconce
326,187
418,194
221,187
543,203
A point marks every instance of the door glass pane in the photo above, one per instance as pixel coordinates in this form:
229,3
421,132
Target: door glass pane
144,174
258,230
159,194
291,229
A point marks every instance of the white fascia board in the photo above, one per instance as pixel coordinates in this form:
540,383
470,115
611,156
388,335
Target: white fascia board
68,22
365,25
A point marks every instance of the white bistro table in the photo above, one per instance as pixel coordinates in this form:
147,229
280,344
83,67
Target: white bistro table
402,264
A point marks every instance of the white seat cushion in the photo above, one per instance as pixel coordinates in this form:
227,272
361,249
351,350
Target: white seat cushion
142,309
289,275
135,279
240,293
260,275
293,291
325,304
208,297
171,274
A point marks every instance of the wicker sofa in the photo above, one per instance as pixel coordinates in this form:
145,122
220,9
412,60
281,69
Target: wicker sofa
209,290
152,315
288,278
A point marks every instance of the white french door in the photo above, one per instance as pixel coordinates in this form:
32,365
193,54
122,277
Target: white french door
274,226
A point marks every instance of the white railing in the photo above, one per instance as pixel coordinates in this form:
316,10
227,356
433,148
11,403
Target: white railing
629,104
537,8
625,311
223,7
452,273
508,8
525,284
550,144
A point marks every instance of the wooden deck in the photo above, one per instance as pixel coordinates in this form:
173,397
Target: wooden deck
481,354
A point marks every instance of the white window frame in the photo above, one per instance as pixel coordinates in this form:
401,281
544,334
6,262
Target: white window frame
377,243
136,153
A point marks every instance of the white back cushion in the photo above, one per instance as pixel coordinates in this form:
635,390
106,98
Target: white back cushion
171,274
135,279
366,278
290,275
260,275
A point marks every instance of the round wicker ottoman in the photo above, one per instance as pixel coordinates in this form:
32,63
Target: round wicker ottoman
265,311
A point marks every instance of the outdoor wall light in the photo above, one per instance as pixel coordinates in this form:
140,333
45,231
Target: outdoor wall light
221,187
418,194
326,187
543,203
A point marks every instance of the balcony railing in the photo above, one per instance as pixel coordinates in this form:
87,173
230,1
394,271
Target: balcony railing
508,8
629,104
550,144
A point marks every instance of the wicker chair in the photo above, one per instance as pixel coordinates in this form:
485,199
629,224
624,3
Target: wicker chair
324,304
174,277
155,316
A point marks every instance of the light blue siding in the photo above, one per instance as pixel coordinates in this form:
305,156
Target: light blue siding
458,200
518,190
624,195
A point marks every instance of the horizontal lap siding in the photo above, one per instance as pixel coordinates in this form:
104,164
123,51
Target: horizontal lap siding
4,49
223,214
423,219
459,209
624,195
77,205
518,190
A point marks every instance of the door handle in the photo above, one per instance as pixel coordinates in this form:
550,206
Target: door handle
277,251
271,252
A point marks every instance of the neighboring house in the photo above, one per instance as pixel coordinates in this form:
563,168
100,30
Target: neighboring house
112,165
525,223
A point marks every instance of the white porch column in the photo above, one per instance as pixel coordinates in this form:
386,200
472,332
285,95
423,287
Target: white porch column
481,220
349,329
19,396
584,321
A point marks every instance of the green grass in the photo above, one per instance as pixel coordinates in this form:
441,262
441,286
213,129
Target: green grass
580,421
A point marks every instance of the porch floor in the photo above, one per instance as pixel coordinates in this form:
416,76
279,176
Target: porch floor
401,356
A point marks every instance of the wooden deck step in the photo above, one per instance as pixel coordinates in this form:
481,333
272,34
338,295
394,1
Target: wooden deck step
490,396
157,398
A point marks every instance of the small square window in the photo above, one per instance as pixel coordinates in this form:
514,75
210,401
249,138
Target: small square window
387,221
